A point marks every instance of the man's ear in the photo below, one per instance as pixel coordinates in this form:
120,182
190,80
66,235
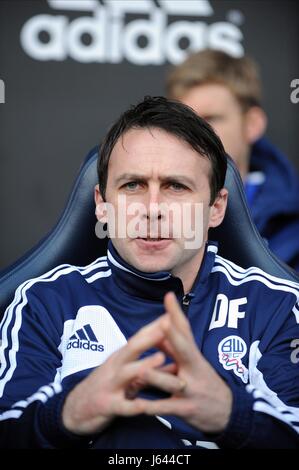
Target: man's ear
256,124
218,208
101,209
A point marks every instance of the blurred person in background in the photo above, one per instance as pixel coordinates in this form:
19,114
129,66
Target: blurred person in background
227,92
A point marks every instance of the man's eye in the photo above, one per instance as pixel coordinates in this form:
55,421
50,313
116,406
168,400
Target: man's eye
131,185
177,186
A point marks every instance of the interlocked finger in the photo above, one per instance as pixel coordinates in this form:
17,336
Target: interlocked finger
164,381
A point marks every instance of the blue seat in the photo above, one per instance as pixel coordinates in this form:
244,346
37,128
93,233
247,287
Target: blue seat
73,239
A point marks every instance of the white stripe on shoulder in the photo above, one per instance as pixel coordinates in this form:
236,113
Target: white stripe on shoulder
46,277
240,272
237,279
16,307
10,414
21,286
98,276
99,262
9,312
95,265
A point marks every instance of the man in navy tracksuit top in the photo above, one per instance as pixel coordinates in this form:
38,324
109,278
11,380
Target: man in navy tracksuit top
226,91
162,343
272,190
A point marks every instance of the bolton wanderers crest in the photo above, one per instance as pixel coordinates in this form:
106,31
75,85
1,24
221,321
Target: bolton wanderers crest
231,350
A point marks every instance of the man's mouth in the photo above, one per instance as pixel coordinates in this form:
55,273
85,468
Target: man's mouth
153,239
153,242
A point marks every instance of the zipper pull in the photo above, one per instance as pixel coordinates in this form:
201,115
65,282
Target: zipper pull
186,300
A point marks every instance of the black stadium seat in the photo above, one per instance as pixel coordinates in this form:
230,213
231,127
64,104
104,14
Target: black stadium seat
73,239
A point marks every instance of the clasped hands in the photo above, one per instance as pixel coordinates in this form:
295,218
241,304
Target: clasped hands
198,395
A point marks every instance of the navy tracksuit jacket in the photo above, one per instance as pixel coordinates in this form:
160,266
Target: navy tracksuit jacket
68,321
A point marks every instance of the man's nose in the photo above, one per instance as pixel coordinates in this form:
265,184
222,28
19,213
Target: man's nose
153,204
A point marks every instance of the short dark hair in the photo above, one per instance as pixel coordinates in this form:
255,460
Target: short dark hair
175,118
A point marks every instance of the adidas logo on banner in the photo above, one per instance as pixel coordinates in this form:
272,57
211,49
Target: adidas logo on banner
142,32
84,338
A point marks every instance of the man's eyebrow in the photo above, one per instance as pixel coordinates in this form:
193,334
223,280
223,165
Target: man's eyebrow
129,176
165,179
179,179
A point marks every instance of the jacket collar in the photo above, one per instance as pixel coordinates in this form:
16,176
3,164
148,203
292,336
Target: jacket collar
154,286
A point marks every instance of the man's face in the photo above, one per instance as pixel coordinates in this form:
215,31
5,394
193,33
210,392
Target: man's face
151,168
217,104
